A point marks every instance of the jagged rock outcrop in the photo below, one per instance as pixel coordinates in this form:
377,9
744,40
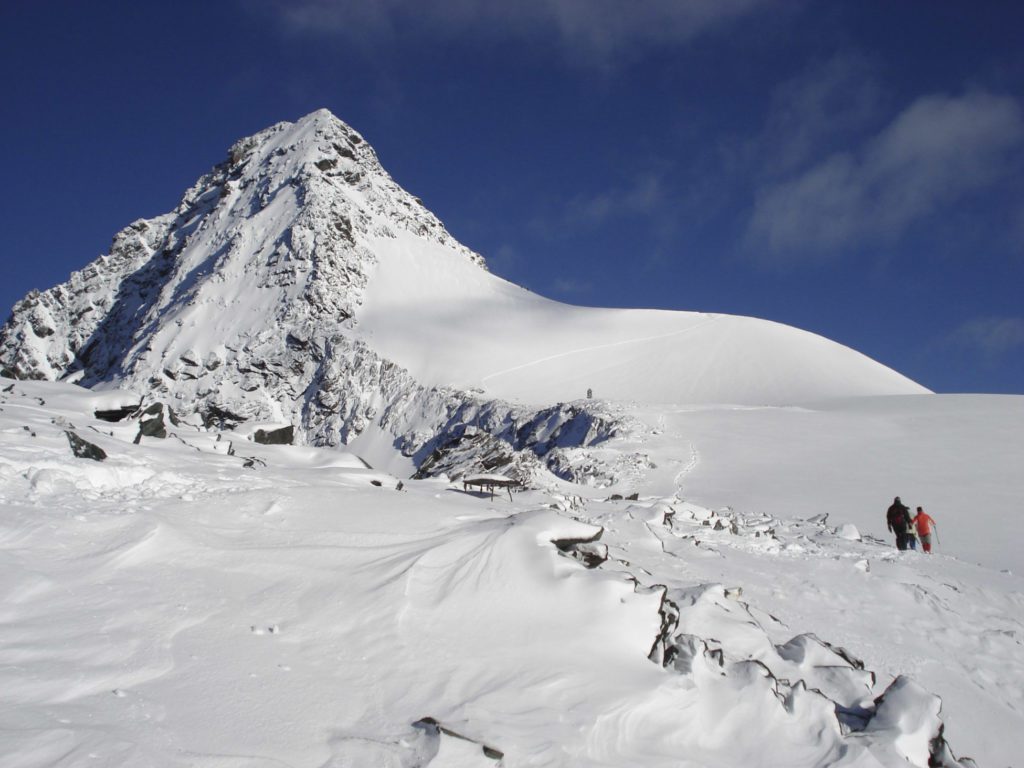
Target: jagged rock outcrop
154,421
83,449
279,436
801,677
491,436
283,221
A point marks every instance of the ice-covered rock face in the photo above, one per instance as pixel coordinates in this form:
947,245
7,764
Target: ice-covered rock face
266,252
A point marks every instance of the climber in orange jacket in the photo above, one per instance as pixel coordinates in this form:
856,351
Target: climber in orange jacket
924,524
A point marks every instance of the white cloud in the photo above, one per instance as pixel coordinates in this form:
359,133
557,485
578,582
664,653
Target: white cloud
572,286
991,336
644,196
815,109
592,30
504,259
936,151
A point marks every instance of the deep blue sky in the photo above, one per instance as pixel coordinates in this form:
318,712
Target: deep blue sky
851,167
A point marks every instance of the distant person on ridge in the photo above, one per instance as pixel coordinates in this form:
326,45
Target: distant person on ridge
924,524
897,517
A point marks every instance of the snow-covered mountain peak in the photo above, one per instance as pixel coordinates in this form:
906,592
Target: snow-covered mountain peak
330,164
297,282
277,239
319,139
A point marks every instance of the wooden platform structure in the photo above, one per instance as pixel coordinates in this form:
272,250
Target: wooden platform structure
487,483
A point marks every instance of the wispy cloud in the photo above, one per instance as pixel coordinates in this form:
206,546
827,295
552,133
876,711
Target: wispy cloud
644,196
505,258
572,286
816,110
937,150
589,30
991,337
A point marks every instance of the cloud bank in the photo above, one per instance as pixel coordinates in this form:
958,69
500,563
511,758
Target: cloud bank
936,151
992,337
592,30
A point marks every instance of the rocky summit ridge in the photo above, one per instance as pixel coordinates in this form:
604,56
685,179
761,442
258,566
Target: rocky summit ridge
283,220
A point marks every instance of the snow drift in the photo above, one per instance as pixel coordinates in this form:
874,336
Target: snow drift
199,599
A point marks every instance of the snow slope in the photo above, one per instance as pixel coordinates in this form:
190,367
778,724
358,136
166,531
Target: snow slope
958,456
202,600
449,322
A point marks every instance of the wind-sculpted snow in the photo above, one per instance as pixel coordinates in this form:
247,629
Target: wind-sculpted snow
200,599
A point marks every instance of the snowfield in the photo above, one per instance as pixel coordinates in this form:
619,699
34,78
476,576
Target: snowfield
172,606
449,322
958,456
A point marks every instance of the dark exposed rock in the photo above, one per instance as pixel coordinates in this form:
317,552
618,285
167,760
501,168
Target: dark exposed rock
491,436
662,651
587,549
279,436
296,342
214,416
469,450
566,544
344,151
154,421
591,554
435,728
117,414
83,449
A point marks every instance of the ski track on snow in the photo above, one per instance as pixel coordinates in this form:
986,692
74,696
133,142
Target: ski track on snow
609,345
